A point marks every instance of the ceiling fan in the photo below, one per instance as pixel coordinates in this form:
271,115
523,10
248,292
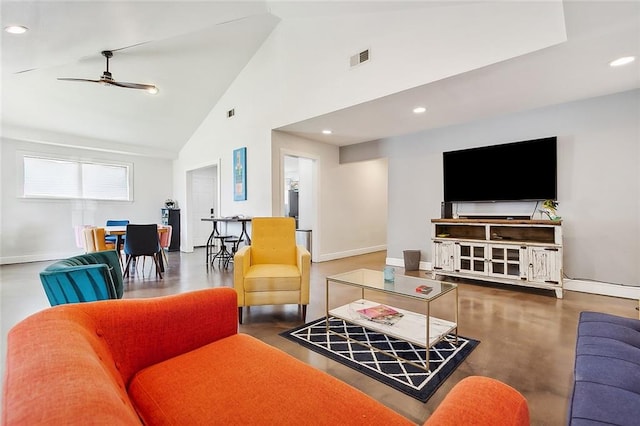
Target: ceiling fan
107,79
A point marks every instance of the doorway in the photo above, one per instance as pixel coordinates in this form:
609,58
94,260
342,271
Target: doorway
299,195
204,198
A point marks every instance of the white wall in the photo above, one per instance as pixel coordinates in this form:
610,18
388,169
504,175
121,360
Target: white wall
37,229
598,180
352,198
302,70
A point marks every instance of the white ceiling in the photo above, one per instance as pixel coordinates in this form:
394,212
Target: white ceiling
193,50
597,32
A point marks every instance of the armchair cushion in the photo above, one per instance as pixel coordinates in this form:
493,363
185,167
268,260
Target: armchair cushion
273,240
269,277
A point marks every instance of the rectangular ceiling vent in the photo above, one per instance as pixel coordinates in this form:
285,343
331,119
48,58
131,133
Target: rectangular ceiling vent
359,58
231,113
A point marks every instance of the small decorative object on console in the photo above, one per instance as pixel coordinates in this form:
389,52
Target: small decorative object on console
169,203
549,208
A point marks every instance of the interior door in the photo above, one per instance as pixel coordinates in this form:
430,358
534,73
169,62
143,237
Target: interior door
203,186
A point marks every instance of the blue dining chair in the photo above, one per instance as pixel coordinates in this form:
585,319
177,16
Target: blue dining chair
112,238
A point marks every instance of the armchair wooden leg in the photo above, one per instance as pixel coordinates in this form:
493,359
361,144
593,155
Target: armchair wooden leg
240,314
304,312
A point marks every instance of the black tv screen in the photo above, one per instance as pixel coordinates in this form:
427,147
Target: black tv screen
508,172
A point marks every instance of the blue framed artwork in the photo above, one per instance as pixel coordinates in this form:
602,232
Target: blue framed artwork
240,174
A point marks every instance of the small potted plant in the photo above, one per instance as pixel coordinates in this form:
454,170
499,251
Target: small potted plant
549,208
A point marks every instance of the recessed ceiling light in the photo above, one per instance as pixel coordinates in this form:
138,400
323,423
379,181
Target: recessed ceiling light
326,132
419,110
622,61
16,29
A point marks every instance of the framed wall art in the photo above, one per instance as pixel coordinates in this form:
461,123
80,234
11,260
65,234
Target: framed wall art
240,174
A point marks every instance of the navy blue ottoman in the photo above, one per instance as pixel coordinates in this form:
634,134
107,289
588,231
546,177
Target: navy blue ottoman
606,387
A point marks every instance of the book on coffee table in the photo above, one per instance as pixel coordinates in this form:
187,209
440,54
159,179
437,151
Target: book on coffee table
381,314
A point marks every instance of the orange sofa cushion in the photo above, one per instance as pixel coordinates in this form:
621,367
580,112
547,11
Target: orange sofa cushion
477,400
240,380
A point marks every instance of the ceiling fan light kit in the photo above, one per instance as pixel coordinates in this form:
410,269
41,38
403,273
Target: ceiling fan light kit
107,78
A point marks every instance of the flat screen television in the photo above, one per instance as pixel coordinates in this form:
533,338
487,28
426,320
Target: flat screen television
514,171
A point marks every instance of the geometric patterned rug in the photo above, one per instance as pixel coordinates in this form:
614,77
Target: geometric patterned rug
444,357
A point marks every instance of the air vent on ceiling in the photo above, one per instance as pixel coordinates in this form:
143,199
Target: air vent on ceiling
359,58
231,113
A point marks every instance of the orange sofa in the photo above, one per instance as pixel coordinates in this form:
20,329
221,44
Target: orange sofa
180,360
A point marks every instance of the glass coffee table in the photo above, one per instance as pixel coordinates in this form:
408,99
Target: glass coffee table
421,329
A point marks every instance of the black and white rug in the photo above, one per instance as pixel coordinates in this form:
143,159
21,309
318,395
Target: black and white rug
444,357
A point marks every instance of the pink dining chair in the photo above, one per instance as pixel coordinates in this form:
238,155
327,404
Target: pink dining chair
165,242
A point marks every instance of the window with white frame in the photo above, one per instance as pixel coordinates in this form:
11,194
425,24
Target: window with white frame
61,178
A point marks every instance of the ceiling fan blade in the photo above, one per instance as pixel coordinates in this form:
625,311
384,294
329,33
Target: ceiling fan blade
131,45
80,79
134,85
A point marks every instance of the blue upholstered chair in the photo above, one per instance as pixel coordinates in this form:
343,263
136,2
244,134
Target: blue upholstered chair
84,278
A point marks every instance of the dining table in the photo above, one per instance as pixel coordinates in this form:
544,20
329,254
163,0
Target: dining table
121,231
244,235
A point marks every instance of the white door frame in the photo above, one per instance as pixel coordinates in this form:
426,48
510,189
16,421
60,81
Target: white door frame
317,232
189,221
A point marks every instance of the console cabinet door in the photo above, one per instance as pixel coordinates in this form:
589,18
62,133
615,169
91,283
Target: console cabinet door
443,252
544,264
471,258
507,261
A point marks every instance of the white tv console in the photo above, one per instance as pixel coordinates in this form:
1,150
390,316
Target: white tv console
519,252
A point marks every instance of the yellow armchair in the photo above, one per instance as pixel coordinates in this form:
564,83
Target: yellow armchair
273,270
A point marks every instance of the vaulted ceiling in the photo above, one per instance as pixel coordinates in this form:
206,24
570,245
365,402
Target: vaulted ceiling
193,51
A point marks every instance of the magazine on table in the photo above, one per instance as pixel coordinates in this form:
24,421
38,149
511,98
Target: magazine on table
381,314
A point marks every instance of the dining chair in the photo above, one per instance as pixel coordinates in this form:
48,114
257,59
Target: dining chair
88,239
78,231
141,241
94,240
100,241
112,238
165,242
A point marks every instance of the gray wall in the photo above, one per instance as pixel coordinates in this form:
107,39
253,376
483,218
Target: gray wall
598,180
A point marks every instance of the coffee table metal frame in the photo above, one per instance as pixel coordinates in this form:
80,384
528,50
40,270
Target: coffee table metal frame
403,286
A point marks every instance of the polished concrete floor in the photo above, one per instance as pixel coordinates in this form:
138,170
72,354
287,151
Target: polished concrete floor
527,336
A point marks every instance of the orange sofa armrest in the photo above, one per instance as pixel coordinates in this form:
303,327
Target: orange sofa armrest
144,332
479,400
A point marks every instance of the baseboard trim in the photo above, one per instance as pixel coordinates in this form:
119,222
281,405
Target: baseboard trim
394,261
605,289
582,286
45,257
349,253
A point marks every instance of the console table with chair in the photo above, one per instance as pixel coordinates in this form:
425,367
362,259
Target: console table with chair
273,270
211,254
